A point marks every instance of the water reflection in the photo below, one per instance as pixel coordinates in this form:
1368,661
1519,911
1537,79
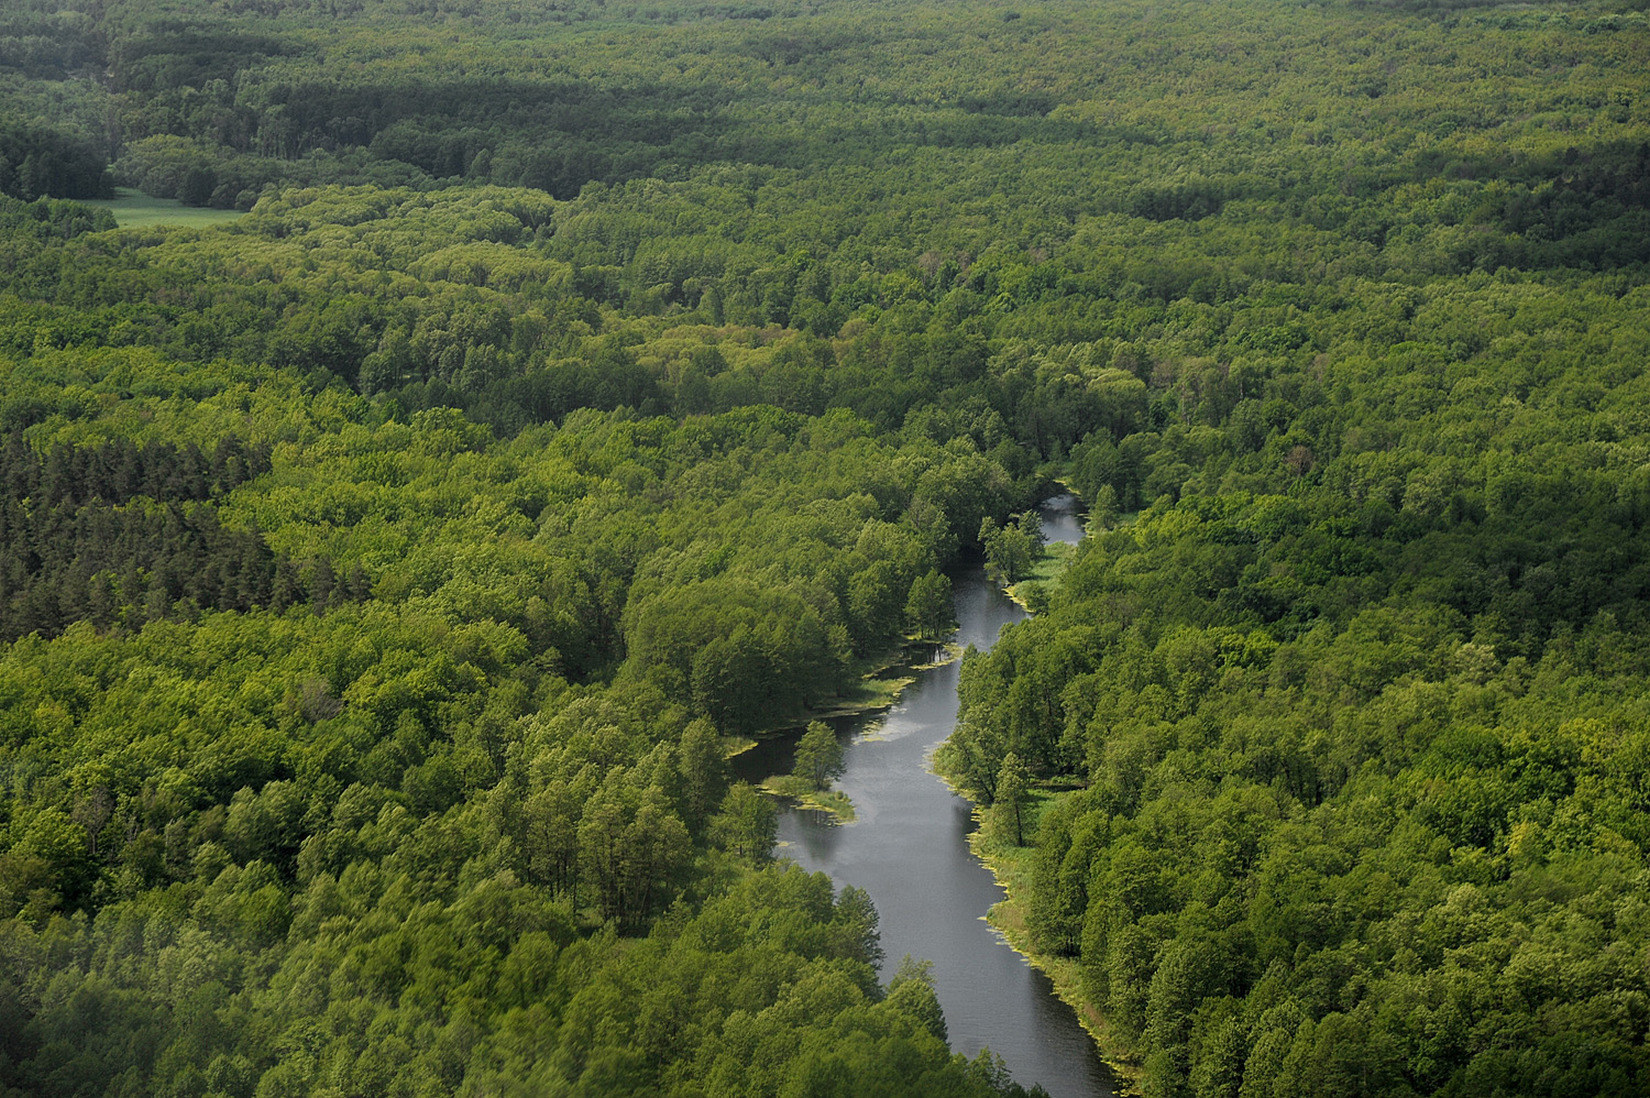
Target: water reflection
908,849
1063,519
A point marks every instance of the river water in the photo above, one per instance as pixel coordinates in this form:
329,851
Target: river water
908,848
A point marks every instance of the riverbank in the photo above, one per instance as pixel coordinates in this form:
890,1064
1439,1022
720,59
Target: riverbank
1031,593
908,850
1012,867
880,685
1064,527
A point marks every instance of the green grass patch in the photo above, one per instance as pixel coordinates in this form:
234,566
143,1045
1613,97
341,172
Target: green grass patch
1046,572
867,695
136,210
1052,563
834,802
733,746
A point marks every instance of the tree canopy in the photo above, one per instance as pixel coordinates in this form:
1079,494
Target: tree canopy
384,572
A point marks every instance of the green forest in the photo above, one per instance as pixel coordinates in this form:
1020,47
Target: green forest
588,386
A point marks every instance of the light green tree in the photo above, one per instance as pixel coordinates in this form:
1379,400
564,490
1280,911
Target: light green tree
819,757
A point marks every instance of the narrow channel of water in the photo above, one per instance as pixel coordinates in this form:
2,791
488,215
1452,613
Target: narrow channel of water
909,850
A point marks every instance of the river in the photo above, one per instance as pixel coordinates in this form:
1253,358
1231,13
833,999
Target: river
908,848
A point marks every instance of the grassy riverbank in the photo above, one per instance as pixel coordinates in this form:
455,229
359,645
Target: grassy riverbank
832,801
1012,866
1051,564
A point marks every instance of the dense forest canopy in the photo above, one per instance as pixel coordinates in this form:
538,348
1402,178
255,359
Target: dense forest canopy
385,574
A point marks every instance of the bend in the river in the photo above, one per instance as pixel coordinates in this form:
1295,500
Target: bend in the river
909,849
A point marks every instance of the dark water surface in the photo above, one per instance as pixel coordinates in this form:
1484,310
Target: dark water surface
908,849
